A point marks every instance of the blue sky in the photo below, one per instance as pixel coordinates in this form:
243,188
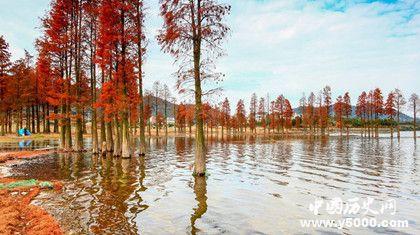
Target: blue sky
283,46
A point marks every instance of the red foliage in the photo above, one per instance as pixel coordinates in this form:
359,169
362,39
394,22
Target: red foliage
240,115
339,110
390,105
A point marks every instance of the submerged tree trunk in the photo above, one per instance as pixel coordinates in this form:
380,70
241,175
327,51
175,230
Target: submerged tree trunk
141,118
55,128
109,137
78,146
200,158
78,74
62,129
415,118
47,120
94,127
126,150
398,123
68,141
117,138
95,144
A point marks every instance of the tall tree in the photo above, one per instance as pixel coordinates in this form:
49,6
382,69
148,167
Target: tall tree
414,104
261,113
225,115
253,113
390,110
338,110
361,110
241,115
193,32
156,92
119,96
326,92
139,38
92,12
288,113
347,110
378,103
4,66
399,104
166,95
310,111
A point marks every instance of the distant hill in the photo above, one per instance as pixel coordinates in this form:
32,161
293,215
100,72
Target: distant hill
403,117
160,105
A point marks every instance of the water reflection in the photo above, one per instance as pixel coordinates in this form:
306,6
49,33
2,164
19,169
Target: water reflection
256,185
200,191
27,144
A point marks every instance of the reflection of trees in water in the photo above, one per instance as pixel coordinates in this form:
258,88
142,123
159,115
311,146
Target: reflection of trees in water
200,191
283,153
107,195
343,151
77,165
180,146
117,184
190,143
64,165
308,149
137,207
371,154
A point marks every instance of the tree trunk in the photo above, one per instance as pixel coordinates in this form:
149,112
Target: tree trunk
117,139
166,121
38,128
142,121
68,141
139,22
79,131
62,129
33,119
200,158
44,120
55,120
77,68
94,130
3,124
398,122
109,137
126,151
415,118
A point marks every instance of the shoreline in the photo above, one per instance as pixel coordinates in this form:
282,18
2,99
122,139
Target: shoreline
19,216
215,133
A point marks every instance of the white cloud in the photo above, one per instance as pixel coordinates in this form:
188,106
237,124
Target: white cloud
301,48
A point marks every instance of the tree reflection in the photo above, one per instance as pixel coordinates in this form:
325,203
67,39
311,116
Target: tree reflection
200,191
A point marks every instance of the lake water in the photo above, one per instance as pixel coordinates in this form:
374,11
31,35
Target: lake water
255,186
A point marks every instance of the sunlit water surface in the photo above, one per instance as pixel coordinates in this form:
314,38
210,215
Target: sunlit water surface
255,185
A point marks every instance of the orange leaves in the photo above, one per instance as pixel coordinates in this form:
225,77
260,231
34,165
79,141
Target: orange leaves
361,107
378,101
390,105
338,110
120,94
240,114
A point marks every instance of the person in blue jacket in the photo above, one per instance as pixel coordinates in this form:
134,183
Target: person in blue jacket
24,132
